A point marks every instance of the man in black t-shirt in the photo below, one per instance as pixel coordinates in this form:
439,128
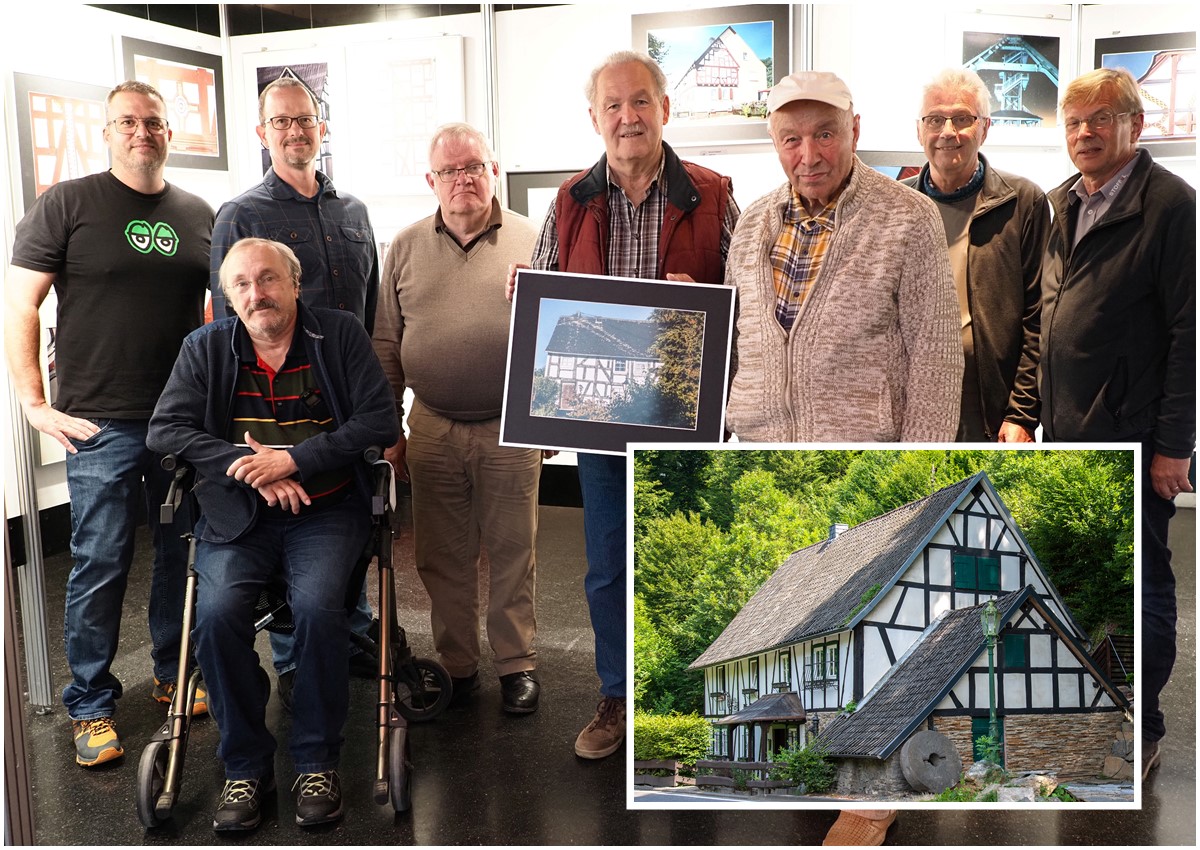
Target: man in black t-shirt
127,255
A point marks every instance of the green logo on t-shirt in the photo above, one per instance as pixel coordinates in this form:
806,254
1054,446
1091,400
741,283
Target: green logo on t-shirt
144,239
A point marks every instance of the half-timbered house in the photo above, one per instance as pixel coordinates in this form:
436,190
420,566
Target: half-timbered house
725,76
596,357
877,631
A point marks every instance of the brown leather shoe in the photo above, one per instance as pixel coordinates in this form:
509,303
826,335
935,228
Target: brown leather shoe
854,830
603,736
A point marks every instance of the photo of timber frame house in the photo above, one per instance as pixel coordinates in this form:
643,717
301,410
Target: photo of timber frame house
594,358
874,634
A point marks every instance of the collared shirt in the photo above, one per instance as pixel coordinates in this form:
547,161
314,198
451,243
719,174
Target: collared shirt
330,234
1093,207
495,220
632,231
797,255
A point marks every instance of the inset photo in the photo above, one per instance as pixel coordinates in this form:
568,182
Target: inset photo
883,628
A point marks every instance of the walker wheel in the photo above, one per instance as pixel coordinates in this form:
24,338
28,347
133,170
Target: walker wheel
399,769
151,777
423,691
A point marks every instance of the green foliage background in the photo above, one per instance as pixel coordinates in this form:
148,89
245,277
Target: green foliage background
711,526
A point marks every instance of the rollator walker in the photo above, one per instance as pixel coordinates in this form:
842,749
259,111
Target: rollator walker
410,688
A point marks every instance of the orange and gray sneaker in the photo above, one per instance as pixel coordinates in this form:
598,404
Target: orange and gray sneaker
164,692
96,741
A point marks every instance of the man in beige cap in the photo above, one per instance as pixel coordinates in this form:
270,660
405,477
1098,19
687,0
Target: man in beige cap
848,325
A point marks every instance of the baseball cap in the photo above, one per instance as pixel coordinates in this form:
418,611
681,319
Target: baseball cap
809,85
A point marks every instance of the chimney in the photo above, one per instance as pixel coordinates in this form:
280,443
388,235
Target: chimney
837,529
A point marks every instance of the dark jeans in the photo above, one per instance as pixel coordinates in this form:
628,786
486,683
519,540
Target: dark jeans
316,554
104,479
1158,601
602,481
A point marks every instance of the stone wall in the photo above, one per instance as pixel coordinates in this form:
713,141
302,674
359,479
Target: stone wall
872,777
1072,745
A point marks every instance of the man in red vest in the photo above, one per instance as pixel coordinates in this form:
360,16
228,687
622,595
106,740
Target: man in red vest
643,212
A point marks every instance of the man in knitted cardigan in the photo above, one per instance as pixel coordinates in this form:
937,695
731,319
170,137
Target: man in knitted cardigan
441,329
848,324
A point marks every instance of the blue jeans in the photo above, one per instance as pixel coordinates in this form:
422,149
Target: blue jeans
315,553
104,479
602,481
283,645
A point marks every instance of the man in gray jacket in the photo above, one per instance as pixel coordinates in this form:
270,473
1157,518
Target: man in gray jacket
996,227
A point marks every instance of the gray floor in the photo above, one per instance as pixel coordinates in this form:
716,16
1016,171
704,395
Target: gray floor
486,778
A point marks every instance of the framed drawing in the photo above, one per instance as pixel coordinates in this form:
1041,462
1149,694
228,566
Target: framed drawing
532,192
60,132
193,87
1165,69
597,362
719,65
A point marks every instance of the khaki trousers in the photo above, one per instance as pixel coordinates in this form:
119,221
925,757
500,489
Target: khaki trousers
467,491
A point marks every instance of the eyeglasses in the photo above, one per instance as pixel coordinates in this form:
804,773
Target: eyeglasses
1099,121
475,170
283,122
127,126
960,122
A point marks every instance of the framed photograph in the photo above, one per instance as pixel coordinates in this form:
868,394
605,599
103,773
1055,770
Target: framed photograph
1165,68
315,77
719,63
193,87
1023,61
60,132
532,192
899,165
597,362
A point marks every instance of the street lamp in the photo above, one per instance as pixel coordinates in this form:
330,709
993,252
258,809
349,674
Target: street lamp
991,623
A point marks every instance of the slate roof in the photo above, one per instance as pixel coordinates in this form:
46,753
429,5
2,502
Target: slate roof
916,684
602,336
768,709
817,588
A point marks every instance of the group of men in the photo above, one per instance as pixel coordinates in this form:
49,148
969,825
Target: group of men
866,312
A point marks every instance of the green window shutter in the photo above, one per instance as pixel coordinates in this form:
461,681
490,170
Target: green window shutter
989,573
964,572
1014,651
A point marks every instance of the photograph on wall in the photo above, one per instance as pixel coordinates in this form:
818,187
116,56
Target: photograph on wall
193,88
1021,73
596,362
899,165
719,64
315,77
60,132
883,626
1165,69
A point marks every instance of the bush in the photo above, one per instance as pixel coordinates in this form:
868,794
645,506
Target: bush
806,766
676,736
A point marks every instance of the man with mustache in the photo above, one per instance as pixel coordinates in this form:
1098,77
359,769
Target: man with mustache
641,211
996,226
329,232
847,323
127,255
1119,332
274,409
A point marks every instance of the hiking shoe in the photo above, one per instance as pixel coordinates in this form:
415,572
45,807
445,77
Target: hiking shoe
96,741
1151,756
319,799
241,803
603,736
164,692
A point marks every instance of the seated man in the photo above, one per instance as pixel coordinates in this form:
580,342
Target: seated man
274,408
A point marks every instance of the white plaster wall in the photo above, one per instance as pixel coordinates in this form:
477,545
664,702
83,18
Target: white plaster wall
1068,689
940,567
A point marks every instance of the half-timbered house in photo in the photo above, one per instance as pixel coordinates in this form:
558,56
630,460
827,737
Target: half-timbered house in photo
724,78
595,358
874,634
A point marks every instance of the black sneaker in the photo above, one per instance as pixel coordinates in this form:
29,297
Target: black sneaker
319,799
241,803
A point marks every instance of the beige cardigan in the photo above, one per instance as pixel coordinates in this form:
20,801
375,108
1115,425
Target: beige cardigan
875,354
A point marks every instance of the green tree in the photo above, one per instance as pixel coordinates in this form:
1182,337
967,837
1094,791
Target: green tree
656,47
545,395
770,63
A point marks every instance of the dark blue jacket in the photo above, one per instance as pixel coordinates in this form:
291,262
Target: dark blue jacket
193,414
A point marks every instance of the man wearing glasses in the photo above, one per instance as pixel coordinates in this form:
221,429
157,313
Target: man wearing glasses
1118,359
329,232
127,255
996,226
442,331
